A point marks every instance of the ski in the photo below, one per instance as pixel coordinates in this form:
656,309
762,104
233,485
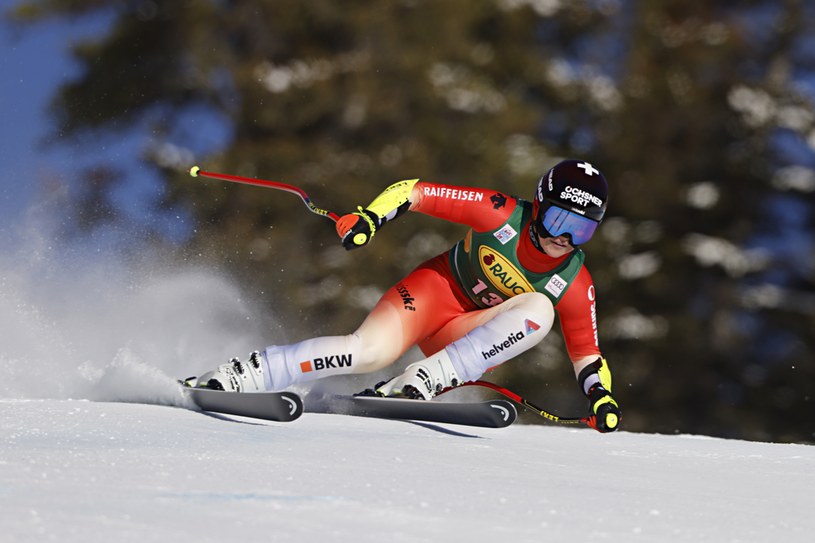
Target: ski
487,414
275,406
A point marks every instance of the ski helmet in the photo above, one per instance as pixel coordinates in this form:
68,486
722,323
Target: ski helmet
571,199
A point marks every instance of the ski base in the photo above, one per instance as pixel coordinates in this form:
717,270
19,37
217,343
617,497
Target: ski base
274,406
487,414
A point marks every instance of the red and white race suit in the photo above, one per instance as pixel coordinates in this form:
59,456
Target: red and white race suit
430,309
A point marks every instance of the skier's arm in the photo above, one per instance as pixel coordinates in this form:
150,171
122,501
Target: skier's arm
595,382
480,209
578,321
358,228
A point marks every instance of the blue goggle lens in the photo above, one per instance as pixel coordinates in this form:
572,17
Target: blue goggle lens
558,221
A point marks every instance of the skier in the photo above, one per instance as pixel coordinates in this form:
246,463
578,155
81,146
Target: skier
488,299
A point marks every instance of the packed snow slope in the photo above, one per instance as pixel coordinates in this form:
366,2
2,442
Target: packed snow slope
74,470
99,446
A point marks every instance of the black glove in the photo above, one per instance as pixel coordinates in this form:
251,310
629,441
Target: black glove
607,413
358,228
595,382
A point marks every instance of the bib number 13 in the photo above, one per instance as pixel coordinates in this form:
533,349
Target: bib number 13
490,298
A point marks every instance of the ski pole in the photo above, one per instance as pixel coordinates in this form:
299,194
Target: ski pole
195,171
526,403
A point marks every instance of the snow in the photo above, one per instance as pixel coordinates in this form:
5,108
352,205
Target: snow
77,470
98,445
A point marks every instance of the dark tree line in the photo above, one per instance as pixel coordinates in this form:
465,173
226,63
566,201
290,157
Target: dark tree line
699,113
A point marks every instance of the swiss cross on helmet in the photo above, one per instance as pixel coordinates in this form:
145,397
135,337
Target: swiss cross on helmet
570,200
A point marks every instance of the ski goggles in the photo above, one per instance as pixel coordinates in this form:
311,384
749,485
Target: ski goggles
558,222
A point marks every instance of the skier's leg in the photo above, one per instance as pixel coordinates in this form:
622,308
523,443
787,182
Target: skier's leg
474,342
414,308
376,343
411,310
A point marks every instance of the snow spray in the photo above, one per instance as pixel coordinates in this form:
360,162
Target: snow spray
76,323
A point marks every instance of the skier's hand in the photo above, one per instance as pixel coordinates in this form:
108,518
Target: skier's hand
358,228
606,413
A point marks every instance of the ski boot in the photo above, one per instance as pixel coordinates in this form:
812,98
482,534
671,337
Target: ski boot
234,376
421,380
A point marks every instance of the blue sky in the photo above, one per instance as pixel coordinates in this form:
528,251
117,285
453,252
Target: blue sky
33,64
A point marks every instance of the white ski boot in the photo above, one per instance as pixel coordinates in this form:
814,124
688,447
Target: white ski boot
422,380
234,376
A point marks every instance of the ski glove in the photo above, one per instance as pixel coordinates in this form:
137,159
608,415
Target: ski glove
607,413
595,381
358,228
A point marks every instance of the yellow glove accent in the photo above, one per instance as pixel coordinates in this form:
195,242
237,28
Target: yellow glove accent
604,373
361,238
611,417
601,401
391,199
361,212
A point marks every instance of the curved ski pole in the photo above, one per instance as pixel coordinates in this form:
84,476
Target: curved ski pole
524,402
195,171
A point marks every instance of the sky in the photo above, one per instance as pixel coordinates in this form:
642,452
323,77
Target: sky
35,63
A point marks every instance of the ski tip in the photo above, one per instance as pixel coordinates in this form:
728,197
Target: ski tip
272,406
194,171
507,413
